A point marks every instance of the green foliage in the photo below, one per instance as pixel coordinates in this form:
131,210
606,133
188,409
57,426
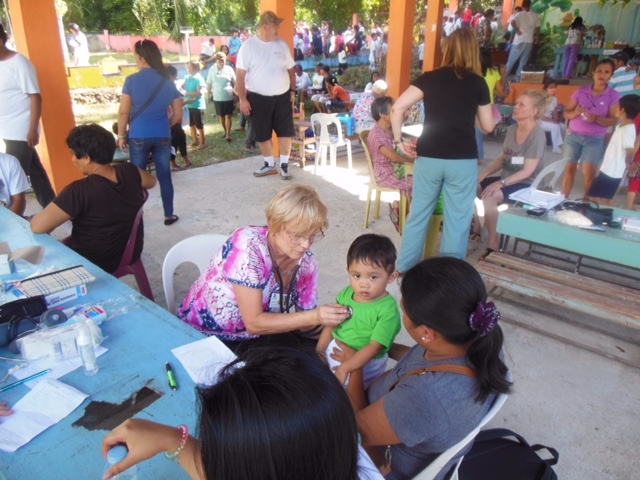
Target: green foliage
96,15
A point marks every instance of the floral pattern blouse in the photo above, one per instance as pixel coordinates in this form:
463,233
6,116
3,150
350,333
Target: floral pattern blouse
211,306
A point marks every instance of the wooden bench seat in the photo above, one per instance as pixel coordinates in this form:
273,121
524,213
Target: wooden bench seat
590,296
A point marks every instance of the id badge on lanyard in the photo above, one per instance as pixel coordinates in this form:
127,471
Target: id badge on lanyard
274,303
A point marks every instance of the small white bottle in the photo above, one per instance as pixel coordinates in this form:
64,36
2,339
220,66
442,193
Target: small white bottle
116,455
87,351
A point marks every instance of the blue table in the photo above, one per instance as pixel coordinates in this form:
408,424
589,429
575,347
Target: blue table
139,344
613,245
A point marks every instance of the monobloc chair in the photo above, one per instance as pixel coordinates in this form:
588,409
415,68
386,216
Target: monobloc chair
199,250
127,265
434,468
328,141
556,169
373,185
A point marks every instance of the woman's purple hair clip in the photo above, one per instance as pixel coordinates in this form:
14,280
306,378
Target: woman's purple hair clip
484,319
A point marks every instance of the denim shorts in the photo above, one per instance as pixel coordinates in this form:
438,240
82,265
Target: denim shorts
583,148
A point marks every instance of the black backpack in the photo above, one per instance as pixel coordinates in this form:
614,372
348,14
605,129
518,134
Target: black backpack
495,456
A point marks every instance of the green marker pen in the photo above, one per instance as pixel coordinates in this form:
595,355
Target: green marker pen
171,377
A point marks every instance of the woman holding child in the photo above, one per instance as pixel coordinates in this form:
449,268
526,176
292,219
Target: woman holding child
264,280
442,387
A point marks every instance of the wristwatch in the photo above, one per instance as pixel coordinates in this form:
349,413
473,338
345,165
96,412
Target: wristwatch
503,182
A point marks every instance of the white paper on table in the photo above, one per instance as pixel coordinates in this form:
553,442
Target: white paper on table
537,198
58,368
48,403
204,359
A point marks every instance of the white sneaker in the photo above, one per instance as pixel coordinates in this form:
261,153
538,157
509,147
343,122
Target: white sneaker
284,171
265,170
557,150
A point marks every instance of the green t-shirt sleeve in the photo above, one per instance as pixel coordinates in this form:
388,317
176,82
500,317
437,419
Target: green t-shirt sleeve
388,324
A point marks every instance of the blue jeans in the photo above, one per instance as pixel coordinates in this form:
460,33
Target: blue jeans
160,149
519,53
457,179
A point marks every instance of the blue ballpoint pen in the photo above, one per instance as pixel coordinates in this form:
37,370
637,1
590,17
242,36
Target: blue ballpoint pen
25,380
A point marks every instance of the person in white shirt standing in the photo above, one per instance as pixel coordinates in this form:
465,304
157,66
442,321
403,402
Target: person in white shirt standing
80,46
20,109
13,184
527,32
303,82
266,87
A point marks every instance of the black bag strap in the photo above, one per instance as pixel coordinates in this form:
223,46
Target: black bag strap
146,104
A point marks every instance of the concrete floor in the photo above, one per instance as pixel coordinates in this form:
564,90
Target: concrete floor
564,396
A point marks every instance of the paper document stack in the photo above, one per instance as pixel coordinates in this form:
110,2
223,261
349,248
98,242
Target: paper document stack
537,198
631,224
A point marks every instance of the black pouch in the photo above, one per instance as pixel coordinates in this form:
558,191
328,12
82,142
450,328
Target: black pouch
20,316
590,209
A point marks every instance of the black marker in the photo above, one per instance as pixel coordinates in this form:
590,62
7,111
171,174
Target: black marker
171,377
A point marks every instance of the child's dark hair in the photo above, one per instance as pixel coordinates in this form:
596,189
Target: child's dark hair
172,71
373,249
93,141
576,24
442,293
548,83
631,106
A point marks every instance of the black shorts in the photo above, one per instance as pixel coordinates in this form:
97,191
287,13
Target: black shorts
604,186
269,114
506,191
223,108
195,118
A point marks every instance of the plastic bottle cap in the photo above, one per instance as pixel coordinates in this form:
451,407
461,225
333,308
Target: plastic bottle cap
117,454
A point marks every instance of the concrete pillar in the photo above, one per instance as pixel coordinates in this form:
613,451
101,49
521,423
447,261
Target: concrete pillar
432,49
35,27
507,11
400,46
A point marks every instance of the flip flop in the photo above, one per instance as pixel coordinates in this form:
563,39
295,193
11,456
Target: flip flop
228,139
177,168
171,221
188,166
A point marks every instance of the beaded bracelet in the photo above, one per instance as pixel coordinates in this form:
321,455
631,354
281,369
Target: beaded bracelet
122,136
183,441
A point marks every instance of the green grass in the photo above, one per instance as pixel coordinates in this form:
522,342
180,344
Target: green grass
217,151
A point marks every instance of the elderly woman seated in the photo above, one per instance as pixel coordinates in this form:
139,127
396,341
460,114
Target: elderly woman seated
384,157
264,281
520,160
102,206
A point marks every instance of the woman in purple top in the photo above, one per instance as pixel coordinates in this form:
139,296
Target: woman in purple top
264,280
591,110
144,106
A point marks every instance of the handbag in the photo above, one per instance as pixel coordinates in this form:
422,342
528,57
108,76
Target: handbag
20,316
590,209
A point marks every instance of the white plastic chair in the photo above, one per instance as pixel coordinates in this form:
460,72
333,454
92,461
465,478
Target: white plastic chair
329,142
199,250
556,168
434,468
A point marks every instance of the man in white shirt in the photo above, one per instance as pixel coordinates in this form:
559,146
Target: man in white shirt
80,46
374,52
208,50
527,32
13,184
303,82
20,109
266,87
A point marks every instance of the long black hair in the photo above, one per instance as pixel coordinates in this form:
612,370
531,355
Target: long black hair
442,293
148,50
277,414
576,24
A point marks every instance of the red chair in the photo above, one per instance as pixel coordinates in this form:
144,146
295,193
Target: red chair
128,266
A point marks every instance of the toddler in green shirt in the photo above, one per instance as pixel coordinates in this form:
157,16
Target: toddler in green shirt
375,322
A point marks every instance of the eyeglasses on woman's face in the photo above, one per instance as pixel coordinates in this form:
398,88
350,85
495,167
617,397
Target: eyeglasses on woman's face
298,239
